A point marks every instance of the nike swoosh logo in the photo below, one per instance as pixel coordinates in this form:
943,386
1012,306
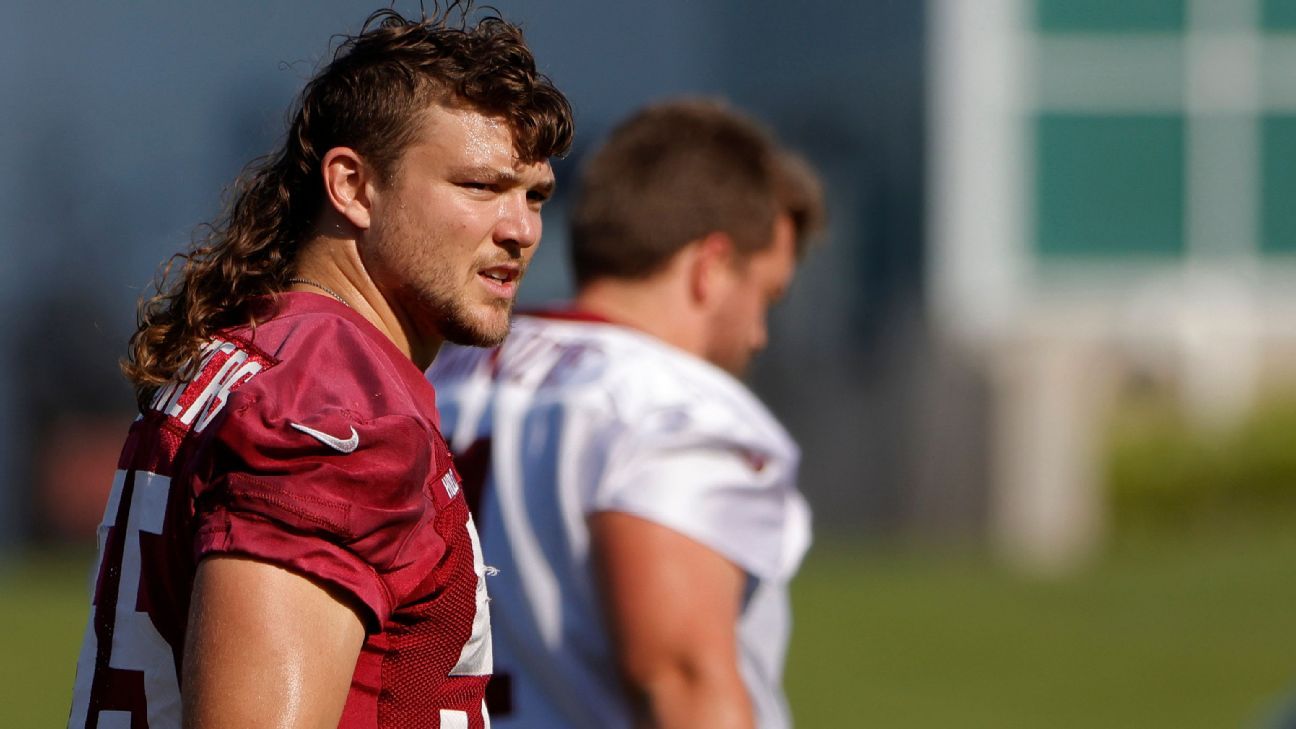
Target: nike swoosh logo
337,444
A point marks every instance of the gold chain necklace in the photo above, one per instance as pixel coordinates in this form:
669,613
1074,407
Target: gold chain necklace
321,287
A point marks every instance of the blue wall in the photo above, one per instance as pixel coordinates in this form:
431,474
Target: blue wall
122,125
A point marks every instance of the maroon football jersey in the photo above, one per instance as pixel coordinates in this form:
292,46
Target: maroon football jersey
312,443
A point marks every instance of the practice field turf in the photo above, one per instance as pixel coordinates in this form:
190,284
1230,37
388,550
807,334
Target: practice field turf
1168,632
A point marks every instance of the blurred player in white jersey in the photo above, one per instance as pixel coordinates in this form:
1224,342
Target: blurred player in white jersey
639,502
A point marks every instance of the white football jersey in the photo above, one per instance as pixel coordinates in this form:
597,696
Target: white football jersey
573,416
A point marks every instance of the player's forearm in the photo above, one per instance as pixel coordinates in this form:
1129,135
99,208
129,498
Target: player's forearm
693,696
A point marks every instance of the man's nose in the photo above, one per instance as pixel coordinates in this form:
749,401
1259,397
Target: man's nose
518,223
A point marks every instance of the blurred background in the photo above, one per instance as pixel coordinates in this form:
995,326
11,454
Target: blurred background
1043,370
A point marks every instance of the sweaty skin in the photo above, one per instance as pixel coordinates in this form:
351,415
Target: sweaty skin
438,252
266,649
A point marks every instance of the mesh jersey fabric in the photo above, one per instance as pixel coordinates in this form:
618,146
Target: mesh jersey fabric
570,417
311,443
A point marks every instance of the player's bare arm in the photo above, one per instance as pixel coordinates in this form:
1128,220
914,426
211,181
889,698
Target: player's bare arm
266,649
672,605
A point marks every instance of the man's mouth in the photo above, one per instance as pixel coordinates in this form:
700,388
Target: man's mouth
502,279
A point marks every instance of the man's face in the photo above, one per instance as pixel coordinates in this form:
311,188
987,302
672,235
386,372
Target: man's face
454,230
738,329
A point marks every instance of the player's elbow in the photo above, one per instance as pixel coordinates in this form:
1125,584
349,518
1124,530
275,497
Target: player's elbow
687,691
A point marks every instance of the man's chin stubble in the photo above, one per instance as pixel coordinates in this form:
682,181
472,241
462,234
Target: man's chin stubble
459,329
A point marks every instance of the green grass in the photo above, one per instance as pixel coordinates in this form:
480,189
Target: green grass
1191,630
44,599
1180,631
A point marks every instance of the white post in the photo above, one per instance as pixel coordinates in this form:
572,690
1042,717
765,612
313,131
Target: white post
1052,393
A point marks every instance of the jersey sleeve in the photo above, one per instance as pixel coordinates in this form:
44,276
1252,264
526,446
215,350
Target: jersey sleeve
329,496
726,493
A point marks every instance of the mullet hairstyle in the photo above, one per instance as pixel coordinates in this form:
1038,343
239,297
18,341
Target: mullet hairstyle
675,172
370,97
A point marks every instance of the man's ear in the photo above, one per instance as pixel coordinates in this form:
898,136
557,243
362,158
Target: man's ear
711,267
348,185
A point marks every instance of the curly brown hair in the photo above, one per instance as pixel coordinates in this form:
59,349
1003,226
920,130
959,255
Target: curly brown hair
369,97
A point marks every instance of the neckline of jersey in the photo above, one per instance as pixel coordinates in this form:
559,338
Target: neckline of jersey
285,303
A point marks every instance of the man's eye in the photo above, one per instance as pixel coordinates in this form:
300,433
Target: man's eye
537,197
475,185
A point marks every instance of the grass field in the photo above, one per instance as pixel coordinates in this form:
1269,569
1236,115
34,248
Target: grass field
1165,632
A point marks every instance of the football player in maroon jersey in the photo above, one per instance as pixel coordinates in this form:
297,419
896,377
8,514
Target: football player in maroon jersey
286,543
